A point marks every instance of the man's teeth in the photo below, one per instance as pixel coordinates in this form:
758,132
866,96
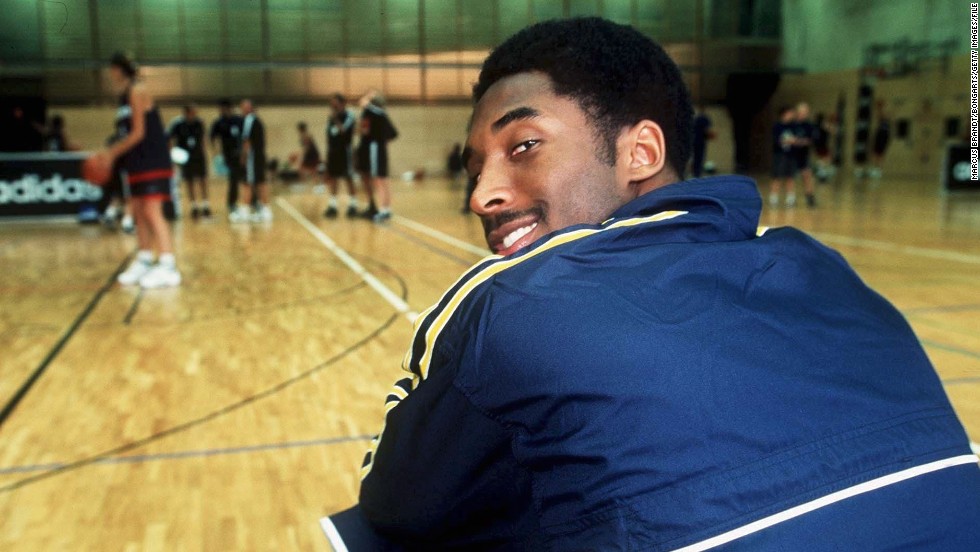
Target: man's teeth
518,234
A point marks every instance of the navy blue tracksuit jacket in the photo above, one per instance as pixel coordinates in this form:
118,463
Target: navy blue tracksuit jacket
670,379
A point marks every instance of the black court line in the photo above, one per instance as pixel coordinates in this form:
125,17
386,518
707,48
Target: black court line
205,453
132,309
8,409
104,456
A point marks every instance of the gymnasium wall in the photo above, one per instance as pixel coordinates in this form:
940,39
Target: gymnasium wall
820,36
925,100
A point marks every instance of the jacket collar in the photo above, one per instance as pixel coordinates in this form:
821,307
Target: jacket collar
729,205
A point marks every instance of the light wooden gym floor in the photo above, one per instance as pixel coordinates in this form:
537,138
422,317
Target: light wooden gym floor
233,412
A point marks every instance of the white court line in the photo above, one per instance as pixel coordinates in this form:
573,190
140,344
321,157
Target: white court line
330,530
393,299
974,447
896,248
443,237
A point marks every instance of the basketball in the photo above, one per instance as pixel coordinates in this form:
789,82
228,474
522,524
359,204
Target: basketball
97,169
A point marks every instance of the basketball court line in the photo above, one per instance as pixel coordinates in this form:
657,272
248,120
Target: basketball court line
25,387
441,236
202,453
931,253
391,297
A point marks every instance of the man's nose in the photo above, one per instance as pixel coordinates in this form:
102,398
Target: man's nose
493,192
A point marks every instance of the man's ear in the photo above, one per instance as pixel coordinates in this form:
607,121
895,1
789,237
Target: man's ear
643,151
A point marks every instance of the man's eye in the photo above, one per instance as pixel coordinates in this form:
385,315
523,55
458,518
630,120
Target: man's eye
524,146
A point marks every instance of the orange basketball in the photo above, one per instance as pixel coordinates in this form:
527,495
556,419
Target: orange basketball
97,169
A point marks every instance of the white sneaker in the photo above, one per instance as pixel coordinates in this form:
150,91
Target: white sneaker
773,200
262,214
791,200
160,276
137,269
128,226
239,215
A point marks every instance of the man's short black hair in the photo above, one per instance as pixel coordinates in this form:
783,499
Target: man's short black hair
617,75
225,102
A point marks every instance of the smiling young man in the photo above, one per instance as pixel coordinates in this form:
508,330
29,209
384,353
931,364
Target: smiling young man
626,372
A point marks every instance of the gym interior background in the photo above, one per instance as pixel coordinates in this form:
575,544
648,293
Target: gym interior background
746,57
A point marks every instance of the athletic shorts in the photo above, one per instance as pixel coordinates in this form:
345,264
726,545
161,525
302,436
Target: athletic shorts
194,168
372,158
311,160
803,161
236,173
783,165
255,168
151,184
880,143
338,164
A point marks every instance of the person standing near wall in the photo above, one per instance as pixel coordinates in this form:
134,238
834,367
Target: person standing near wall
142,149
880,142
227,129
805,132
376,131
340,136
702,133
254,160
783,163
187,132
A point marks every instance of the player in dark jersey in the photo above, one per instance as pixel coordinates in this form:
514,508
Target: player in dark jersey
228,129
702,133
143,153
783,163
340,136
806,134
881,138
187,132
372,154
254,160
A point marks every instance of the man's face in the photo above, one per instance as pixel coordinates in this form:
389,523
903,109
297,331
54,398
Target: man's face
536,161
245,107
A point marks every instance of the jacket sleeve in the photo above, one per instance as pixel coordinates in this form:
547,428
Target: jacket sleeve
443,472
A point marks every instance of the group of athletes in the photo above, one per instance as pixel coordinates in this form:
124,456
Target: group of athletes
242,145
793,136
142,153
370,161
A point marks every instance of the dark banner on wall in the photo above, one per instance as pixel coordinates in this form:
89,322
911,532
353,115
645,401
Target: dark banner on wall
956,170
862,125
33,184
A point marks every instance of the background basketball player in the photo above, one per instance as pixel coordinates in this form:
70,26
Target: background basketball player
187,132
254,160
340,136
146,160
